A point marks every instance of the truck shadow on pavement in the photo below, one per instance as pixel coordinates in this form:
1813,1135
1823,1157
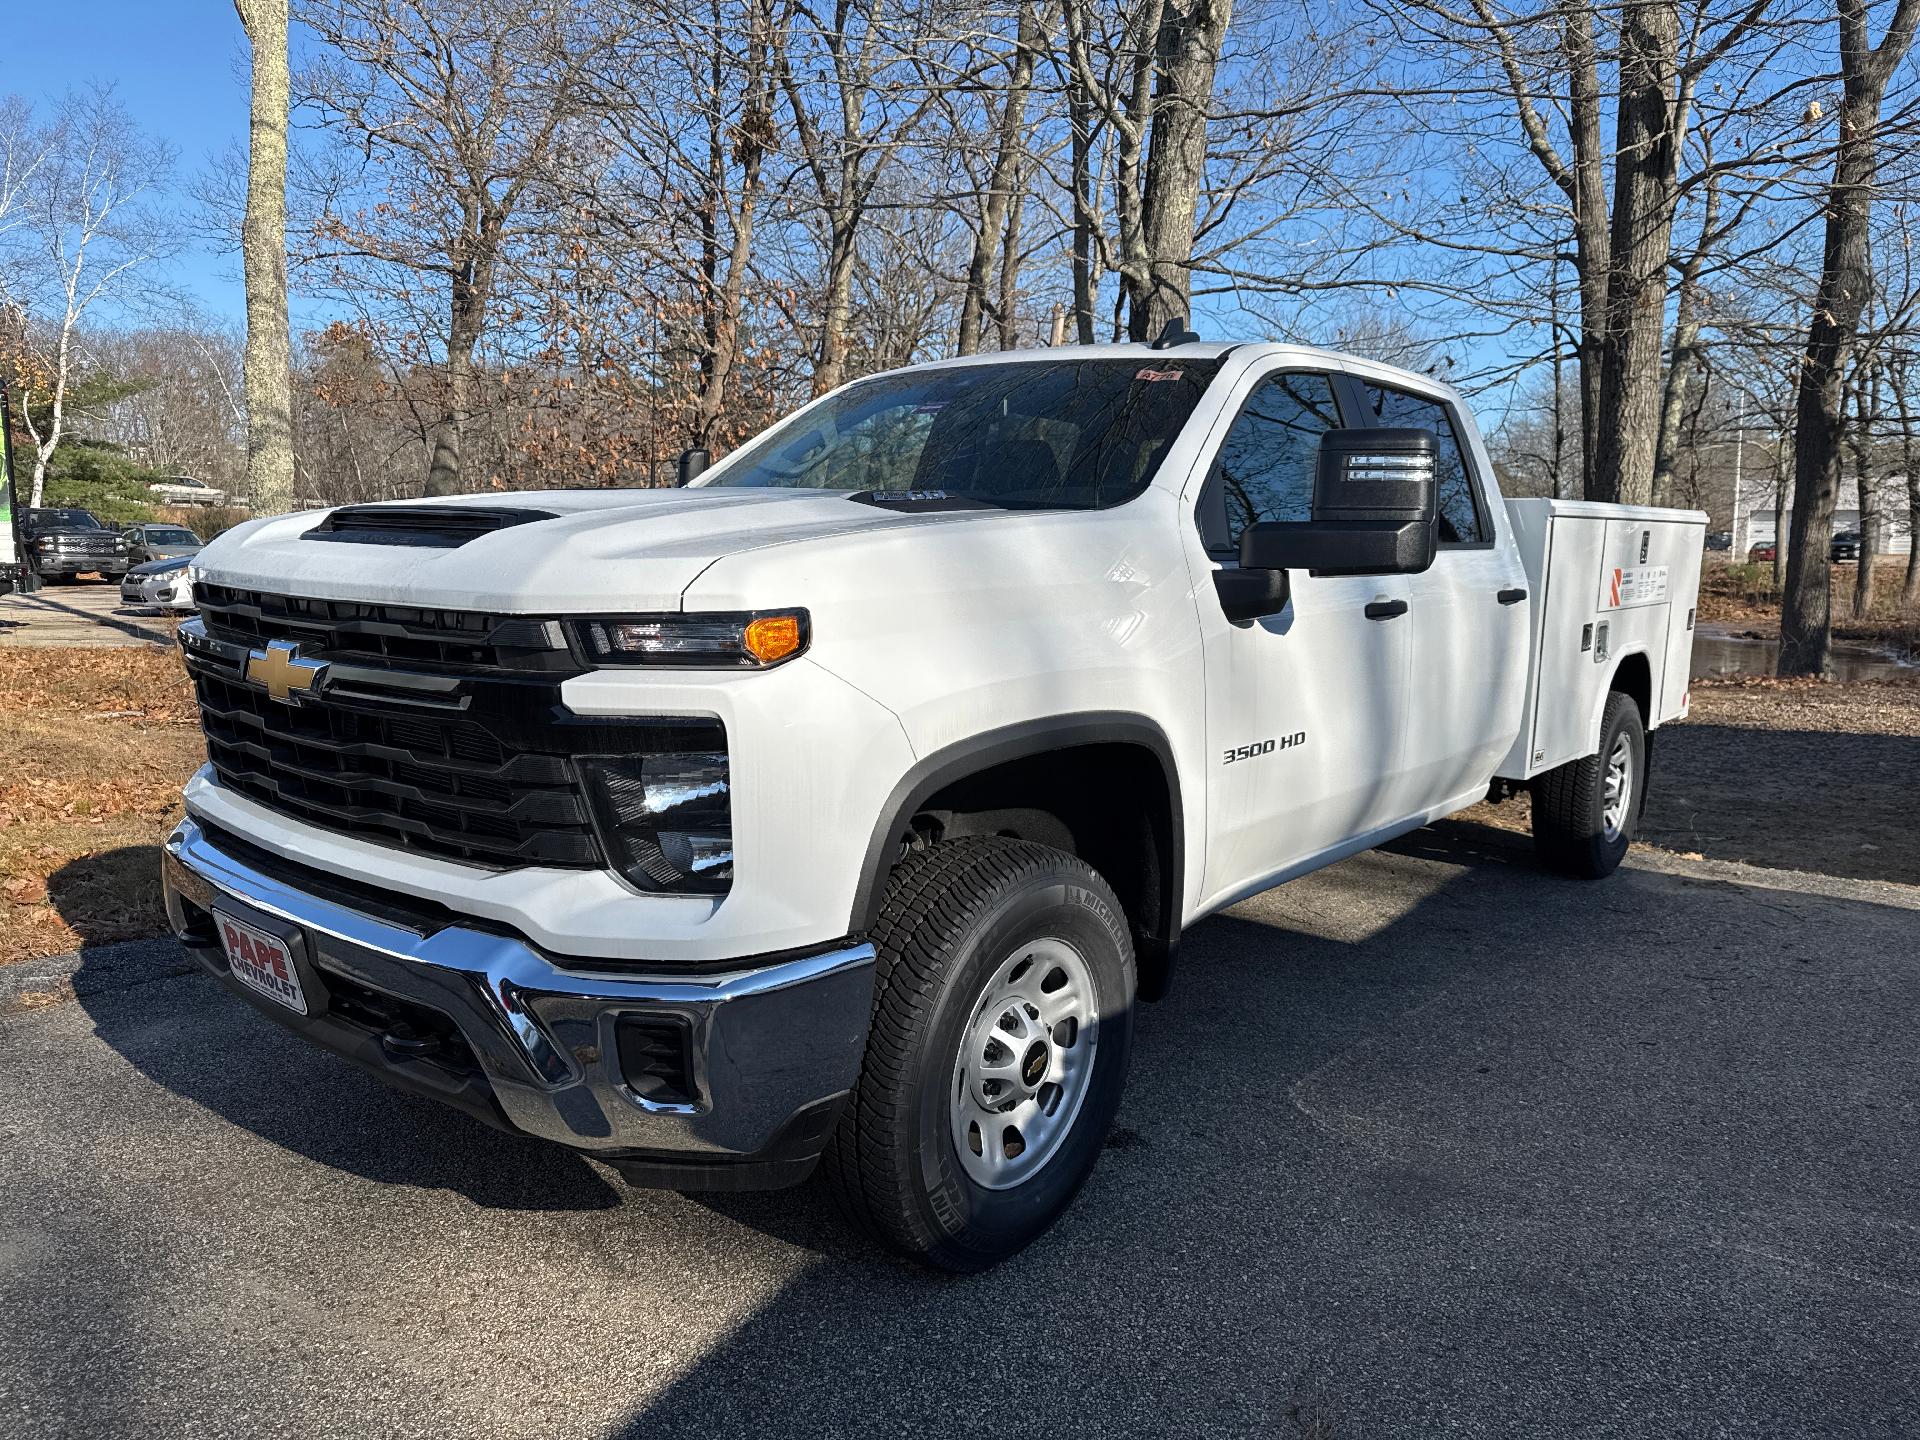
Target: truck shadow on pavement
239,1065
1431,1142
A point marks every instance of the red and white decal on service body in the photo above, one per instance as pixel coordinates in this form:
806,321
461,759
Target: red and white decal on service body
1626,579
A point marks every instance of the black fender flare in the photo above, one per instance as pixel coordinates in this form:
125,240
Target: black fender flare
933,773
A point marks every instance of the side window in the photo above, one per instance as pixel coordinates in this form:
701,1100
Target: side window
1266,464
1459,514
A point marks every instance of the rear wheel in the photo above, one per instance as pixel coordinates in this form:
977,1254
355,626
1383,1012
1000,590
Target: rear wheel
1585,812
1002,1020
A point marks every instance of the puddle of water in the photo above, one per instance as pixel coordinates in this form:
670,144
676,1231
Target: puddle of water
1719,656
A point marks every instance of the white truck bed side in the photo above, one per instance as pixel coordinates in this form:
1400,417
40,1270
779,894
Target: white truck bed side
1608,582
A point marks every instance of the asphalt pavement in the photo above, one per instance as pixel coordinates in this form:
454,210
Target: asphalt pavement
87,613
1427,1144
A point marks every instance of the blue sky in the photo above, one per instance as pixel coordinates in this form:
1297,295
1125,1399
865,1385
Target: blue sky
179,66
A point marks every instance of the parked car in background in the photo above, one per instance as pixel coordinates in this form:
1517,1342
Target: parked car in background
163,584
1844,546
185,490
1720,540
160,542
1763,550
63,543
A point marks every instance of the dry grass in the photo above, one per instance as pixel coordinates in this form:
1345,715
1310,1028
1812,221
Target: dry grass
99,742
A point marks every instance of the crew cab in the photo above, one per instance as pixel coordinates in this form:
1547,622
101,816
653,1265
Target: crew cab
838,808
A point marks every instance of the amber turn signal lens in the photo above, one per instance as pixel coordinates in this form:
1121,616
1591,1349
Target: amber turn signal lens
772,637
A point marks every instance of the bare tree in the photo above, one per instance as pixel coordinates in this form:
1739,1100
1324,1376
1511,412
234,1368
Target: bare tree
463,105
1150,79
1806,615
1004,188
22,151
86,208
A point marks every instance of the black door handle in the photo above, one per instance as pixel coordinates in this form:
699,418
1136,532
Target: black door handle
1386,609
1511,597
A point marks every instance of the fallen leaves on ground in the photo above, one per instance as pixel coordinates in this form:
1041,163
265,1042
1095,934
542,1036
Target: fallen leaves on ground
99,742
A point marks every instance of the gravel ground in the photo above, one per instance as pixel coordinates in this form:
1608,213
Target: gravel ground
1427,1144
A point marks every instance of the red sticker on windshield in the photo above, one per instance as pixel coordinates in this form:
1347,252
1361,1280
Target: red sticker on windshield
1152,374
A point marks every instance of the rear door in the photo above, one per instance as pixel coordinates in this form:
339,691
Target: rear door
1467,614
1305,709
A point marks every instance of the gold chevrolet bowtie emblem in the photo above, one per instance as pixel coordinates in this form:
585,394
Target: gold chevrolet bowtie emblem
280,668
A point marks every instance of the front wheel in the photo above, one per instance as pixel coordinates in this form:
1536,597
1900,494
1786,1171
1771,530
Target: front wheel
1586,811
1002,1021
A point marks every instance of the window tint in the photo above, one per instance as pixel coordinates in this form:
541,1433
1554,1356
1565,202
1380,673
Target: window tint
1459,519
1266,464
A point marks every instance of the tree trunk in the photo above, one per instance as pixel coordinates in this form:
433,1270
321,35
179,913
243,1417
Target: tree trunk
1806,615
1190,36
45,445
1910,466
1866,411
467,314
1000,182
1684,354
267,364
754,132
1129,165
838,311
1648,135
1590,238
1008,315
1085,281
1681,367
1910,592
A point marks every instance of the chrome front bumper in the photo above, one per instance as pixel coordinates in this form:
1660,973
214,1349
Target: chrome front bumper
773,1049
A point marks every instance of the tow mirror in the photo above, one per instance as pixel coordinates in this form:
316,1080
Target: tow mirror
1375,510
693,463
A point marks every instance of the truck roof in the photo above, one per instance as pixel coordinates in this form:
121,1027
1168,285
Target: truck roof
1197,350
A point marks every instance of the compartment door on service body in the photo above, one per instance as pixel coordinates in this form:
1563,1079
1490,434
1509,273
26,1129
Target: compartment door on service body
1306,708
1467,615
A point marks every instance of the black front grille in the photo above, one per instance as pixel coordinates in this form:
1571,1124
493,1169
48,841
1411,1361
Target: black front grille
435,731
444,786
378,633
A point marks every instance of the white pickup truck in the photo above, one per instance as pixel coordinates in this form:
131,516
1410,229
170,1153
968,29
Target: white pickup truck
837,808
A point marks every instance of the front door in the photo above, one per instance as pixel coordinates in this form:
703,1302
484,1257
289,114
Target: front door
1306,710
1467,616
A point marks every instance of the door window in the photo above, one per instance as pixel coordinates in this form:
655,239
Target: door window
1460,522
1266,464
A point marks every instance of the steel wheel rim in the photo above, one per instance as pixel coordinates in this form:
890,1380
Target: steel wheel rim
1617,791
1025,1063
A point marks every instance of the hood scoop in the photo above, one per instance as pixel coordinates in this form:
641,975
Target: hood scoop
432,527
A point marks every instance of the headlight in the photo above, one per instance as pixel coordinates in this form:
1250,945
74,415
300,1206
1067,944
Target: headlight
45,542
747,640
665,820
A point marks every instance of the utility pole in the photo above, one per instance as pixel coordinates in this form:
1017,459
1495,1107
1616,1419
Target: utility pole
1739,544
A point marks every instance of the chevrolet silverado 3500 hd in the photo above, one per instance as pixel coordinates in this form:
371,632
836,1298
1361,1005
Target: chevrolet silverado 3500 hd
836,808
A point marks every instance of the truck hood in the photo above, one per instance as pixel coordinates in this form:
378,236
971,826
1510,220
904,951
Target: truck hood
601,550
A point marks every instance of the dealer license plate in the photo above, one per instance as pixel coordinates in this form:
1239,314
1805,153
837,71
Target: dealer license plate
262,962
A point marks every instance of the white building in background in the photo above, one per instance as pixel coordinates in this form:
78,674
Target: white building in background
1895,537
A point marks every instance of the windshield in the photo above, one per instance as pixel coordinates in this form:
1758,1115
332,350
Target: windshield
170,535
1058,434
62,520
